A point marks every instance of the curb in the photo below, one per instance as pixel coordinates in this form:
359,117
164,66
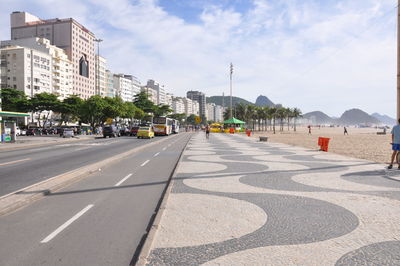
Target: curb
13,148
22,197
146,248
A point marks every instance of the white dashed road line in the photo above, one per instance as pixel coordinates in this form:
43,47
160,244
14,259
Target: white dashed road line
156,154
143,164
66,224
17,161
122,180
164,148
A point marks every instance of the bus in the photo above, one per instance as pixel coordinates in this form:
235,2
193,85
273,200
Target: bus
175,126
162,125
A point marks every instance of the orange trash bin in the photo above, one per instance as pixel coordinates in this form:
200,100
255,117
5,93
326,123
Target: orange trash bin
324,143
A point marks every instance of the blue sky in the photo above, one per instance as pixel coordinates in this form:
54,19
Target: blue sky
315,55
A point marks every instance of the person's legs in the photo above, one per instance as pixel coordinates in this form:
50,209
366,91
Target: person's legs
392,160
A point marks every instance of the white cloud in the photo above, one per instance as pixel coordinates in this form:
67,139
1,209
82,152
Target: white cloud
328,56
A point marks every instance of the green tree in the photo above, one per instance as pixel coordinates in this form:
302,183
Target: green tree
14,100
162,110
92,110
179,117
69,109
191,119
142,101
296,114
42,102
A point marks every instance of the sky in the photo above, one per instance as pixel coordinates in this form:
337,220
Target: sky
316,55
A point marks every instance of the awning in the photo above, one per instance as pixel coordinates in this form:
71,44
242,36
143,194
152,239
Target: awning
13,114
234,121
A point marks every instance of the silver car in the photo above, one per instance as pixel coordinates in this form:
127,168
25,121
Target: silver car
68,133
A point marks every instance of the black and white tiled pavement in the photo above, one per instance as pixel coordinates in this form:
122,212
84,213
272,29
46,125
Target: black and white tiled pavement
235,201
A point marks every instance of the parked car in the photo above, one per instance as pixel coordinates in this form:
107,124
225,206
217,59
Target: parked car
33,132
145,132
68,133
111,131
134,130
124,131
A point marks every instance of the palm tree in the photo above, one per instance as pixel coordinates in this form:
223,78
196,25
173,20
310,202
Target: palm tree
272,112
280,113
260,116
296,113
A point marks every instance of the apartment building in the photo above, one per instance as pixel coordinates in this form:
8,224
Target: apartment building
26,69
109,84
210,114
68,34
199,97
161,93
152,94
100,73
178,105
61,66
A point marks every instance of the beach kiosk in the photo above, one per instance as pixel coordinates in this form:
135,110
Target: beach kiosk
216,127
8,125
233,125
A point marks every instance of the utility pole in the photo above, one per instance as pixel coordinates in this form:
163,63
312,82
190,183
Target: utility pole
231,72
98,66
398,60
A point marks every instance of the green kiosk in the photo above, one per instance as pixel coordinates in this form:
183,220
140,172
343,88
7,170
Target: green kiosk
8,125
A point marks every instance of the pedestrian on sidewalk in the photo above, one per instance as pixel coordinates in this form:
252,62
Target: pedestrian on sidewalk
395,143
345,131
207,131
309,130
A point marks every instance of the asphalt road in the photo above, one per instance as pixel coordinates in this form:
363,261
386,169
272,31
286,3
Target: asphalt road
24,167
97,221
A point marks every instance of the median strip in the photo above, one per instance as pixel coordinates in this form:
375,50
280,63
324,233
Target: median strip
66,224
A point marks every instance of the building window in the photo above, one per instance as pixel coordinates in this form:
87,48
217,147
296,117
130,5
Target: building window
84,67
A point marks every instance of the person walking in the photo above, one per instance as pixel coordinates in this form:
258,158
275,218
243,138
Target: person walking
207,131
345,131
309,130
395,143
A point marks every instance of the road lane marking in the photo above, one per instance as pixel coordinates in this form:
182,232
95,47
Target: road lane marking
66,224
81,149
122,180
143,164
164,148
156,154
17,161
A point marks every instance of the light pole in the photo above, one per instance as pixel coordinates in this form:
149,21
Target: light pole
231,72
398,60
98,66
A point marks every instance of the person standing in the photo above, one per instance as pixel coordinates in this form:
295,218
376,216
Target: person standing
309,130
207,131
345,131
395,143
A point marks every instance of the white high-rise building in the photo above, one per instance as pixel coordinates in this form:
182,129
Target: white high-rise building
218,113
68,34
151,94
123,87
178,105
161,93
101,82
210,111
62,68
26,69
109,84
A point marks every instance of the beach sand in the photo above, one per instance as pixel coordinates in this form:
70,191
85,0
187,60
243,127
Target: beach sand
361,143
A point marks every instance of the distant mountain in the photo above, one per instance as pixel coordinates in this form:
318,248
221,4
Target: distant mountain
264,101
318,117
385,119
356,117
218,100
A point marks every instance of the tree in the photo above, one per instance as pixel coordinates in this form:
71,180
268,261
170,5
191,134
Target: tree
69,109
191,119
92,110
179,117
44,102
142,101
162,110
296,113
14,100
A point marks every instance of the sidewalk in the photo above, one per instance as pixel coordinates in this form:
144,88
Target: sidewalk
235,201
36,141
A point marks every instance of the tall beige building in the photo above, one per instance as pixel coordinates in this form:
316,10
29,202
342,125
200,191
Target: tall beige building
101,75
68,34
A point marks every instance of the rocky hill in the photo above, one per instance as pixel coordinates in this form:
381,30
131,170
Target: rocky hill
264,101
318,117
235,100
357,117
385,119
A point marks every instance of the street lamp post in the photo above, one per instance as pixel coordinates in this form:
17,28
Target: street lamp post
98,66
231,72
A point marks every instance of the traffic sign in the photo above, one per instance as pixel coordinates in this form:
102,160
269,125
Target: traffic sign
198,119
